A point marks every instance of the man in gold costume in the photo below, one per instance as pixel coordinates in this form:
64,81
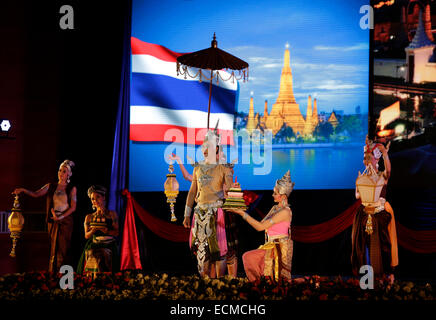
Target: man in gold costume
210,181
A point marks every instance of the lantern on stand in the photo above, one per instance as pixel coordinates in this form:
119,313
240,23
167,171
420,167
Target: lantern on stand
15,224
370,184
171,188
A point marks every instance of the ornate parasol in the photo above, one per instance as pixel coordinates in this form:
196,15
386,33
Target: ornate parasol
212,59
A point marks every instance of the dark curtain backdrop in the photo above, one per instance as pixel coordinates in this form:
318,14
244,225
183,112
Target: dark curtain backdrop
70,96
120,155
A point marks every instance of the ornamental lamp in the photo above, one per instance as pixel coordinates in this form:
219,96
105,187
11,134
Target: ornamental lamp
15,224
171,188
370,184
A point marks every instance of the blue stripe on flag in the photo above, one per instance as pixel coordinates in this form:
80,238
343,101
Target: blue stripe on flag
163,91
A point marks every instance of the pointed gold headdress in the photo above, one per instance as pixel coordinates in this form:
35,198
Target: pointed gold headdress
211,139
68,164
97,189
285,184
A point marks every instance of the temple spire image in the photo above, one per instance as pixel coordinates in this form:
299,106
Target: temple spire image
286,109
265,114
251,121
418,55
308,127
315,119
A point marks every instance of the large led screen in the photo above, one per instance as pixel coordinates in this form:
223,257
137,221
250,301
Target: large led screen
302,105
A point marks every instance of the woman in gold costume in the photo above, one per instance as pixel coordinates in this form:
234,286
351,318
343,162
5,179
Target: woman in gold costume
61,203
101,228
374,239
274,258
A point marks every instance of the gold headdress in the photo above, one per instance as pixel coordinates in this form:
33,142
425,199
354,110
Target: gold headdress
285,184
211,139
97,189
372,148
69,164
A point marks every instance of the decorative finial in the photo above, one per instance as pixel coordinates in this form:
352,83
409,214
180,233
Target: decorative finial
216,126
214,42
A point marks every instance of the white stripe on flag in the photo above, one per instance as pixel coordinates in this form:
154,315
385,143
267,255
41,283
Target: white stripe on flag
182,118
144,63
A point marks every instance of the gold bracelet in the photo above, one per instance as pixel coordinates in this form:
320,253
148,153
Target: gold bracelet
245,216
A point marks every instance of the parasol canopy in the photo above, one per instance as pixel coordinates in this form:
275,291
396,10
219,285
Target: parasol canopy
212,59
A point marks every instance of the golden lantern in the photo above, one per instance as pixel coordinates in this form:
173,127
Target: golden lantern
15,224
171,188
369,185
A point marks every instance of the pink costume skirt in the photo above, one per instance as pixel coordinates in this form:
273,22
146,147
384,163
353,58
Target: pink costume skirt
273,259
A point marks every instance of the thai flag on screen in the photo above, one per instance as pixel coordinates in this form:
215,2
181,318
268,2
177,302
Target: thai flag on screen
160,100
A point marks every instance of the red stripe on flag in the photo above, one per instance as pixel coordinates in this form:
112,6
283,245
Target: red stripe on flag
160,52
157,132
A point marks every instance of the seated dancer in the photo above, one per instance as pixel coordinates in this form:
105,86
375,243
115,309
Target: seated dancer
208,238
374,240
61,203
101,227
230,223
274,258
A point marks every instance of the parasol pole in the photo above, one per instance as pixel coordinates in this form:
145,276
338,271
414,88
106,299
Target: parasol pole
210,95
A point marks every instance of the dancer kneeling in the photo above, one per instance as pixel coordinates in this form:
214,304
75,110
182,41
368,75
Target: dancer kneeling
101,228
274,258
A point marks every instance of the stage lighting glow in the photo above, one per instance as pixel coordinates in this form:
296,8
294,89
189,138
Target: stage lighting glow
399,128
5,125
385,133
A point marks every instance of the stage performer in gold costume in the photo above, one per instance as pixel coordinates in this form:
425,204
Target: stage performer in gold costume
374,238
61,203
230,222
274,258
101,228
208,238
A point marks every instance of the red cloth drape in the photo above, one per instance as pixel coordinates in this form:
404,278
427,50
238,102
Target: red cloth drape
163,229
326,230
129,247
417,241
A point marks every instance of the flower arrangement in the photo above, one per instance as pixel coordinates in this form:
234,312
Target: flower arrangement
134,285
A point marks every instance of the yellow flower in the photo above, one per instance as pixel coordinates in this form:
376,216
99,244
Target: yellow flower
209,291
